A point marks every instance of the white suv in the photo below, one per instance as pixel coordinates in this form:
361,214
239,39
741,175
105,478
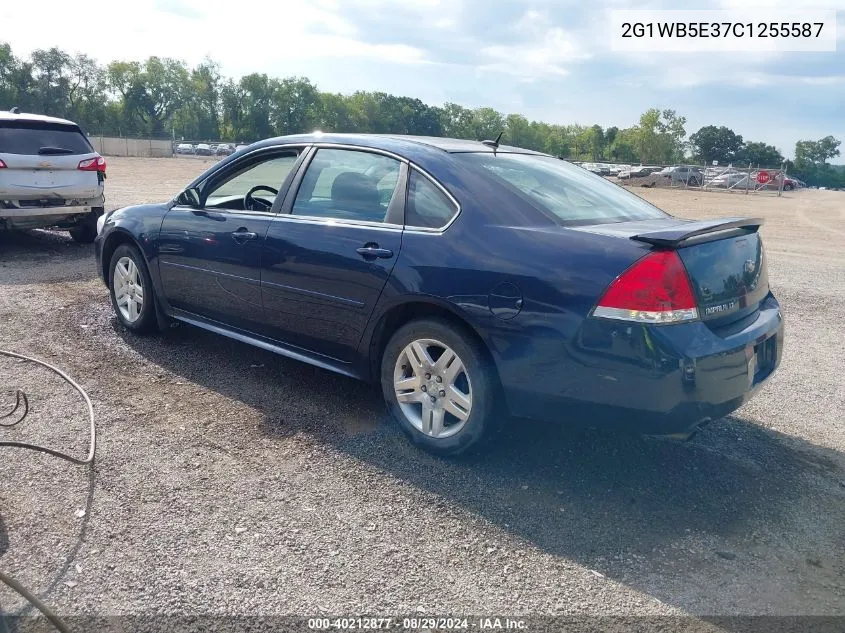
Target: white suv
50,176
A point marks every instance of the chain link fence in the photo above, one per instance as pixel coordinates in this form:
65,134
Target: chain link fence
732,179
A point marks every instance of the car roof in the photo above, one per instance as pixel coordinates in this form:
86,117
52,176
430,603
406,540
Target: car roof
26,116
403,144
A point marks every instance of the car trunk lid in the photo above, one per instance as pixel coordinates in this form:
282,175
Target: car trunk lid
724,260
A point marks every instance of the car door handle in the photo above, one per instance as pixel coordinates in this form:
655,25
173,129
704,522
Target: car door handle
242,235
373,251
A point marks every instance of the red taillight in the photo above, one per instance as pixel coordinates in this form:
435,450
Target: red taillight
2,165
656,289
93,164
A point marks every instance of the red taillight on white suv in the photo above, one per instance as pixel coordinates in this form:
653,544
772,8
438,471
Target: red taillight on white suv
93,164
2,165
655,289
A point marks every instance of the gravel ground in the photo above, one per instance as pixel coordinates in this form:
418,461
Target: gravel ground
232,481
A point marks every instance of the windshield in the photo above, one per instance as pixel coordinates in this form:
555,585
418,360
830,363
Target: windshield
570,194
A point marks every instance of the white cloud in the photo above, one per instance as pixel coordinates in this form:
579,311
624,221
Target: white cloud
543,49
245,36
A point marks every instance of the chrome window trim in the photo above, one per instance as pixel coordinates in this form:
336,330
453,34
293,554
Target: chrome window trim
446,192
360,148
308,219
221,210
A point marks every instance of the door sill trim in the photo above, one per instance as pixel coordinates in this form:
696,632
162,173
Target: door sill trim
324,362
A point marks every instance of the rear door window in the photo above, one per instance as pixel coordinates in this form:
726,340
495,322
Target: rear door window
347,185
42,138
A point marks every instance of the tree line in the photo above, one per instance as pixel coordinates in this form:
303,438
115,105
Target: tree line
163,97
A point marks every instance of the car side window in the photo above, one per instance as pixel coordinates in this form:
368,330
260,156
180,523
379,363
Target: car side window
347,185
261,180
427,205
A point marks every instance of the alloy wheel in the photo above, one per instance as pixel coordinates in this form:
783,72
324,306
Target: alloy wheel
128,289
433,388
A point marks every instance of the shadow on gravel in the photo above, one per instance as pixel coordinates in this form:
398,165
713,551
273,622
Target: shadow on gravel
644,512
44,256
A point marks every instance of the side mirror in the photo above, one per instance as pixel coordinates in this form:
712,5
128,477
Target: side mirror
191,197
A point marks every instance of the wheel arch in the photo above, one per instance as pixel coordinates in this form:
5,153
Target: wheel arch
117,237
414,308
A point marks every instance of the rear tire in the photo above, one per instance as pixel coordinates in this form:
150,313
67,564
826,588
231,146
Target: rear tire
439,386
131,290
86,230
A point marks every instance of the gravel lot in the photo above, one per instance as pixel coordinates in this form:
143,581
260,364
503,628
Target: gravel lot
232,481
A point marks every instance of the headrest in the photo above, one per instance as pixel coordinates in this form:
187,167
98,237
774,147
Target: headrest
353,188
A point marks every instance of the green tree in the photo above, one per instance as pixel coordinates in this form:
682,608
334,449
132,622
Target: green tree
760,154
17,85
659,137
204,99
151,92
623,149
294,106
518,131
456,121
51,69
716,143
257,90
87,102
234,124
486,124
811,159
816,152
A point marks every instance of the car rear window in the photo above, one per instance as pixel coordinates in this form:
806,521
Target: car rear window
566,193
40,137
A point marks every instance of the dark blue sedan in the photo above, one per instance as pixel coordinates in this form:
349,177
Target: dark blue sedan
469,279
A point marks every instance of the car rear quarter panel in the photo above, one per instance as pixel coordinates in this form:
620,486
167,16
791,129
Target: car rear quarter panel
524,290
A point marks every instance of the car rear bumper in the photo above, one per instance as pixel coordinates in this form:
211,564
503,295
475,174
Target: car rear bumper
29,212
25,218
663,380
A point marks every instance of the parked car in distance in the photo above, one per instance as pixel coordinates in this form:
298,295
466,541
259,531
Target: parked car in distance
729,180
203,149
184,148
597,168
240,146
224,149
402,261
683,174
638,172
50,176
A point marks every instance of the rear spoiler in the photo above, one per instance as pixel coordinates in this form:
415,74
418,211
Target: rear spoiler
675,236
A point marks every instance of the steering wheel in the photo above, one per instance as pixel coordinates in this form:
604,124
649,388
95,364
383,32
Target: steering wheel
250,202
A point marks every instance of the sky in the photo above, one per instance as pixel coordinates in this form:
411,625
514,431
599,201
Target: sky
550,60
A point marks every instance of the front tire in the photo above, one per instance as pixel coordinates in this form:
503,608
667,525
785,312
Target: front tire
439,386
131,289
